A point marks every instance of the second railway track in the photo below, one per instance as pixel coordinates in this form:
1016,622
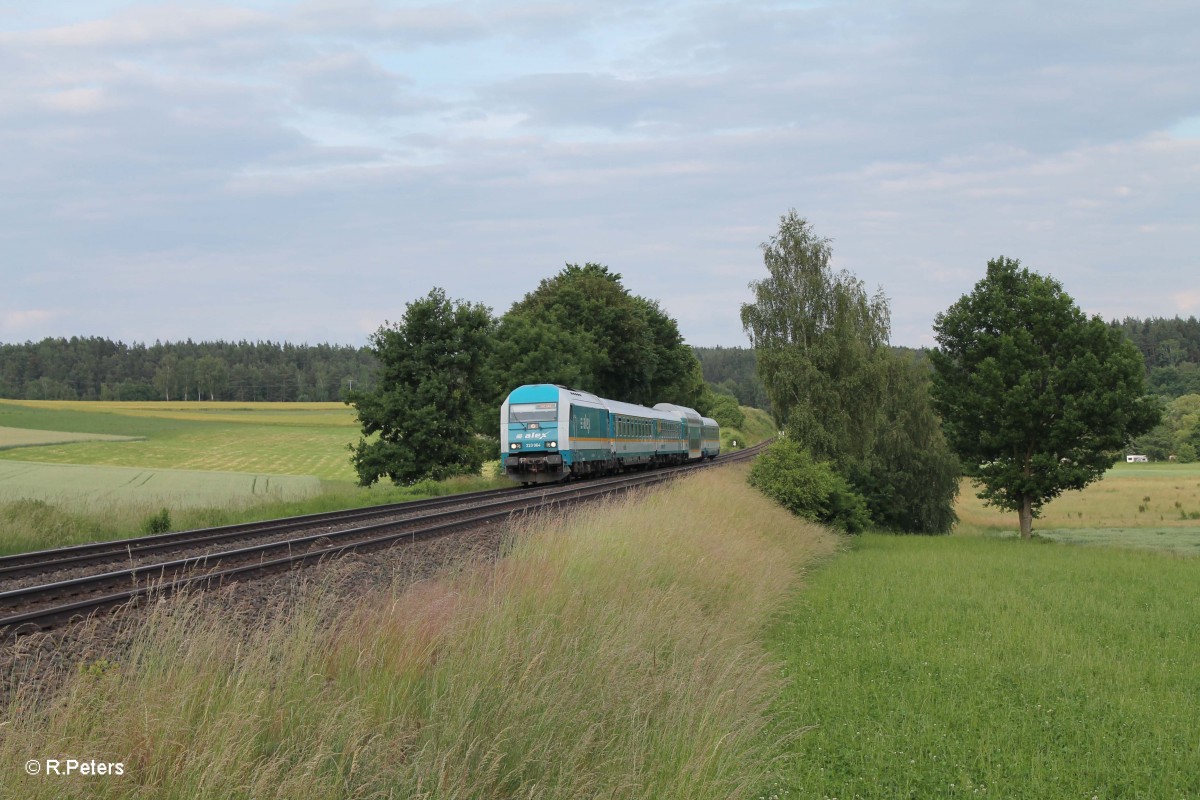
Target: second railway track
121,572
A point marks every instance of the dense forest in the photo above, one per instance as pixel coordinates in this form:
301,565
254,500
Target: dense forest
1171,349
733,371
95,368
99,369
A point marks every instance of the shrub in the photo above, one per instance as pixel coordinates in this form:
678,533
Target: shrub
788,474
157,523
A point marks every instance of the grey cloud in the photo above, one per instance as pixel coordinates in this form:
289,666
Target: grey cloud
922,141
396,23
350,83
930,78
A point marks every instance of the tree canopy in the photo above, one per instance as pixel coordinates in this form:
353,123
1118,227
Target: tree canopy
1035,397
1171,348
430,406
446,367
839,391
820,341
582,328
95,368
1177,437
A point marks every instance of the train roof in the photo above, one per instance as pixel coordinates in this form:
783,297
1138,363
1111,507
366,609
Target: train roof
680,412
710,421
550,393
630,409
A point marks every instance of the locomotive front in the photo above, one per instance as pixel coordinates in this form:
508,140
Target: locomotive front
529,425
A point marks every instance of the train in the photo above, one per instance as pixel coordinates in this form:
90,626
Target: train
550,433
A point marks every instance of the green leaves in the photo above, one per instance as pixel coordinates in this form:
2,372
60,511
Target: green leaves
1036,398
446,367
789,475
582,328
432,402
821,346
820,342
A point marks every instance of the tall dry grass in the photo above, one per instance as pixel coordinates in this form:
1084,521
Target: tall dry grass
613,653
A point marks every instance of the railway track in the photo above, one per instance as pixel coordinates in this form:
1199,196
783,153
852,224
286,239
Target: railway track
123,572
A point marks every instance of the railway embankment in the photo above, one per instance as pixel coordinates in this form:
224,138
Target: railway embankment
612,650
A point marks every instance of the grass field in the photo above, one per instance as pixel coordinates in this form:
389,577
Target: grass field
758,426
1155,506
968,666
19,437
207,463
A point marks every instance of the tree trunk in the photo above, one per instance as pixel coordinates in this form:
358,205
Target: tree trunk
1026,513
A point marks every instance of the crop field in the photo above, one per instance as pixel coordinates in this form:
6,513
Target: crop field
19,437
82,471
72,485
259,438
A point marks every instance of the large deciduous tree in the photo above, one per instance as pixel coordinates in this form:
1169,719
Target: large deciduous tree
820,341
1035,397
821,346
584,329
910,479
429,415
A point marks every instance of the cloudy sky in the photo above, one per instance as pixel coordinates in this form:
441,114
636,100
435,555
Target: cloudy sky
299,171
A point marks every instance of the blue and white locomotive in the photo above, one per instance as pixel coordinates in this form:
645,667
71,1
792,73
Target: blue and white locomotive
550,433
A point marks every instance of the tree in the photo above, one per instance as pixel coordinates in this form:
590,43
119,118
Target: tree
910,479
430,409
582,328
1035,397
1178,434
211,375
165,376
820,342
723,409
840,392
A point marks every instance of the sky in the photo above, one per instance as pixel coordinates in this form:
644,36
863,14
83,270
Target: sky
300,171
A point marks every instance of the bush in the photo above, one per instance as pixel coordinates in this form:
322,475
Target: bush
157,523
788,474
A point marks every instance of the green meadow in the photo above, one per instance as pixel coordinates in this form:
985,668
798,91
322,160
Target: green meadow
1150,506
758,426
695,641
978,665
73,472
77,484
970,666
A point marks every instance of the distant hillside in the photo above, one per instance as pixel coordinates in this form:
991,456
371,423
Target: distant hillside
1171,349
734,369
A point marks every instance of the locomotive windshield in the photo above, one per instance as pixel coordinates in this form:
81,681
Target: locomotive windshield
533,412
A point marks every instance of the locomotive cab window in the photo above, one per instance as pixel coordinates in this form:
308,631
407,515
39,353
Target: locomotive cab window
533,412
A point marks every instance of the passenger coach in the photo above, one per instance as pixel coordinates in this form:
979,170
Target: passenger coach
549,433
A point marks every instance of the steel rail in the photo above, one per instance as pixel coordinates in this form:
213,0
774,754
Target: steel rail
22,564
168,577
29,564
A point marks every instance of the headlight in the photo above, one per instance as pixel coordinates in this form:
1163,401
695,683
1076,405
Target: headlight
551,444
514,446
